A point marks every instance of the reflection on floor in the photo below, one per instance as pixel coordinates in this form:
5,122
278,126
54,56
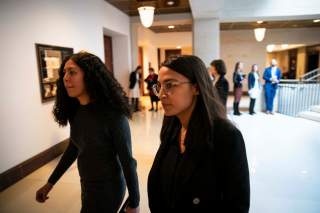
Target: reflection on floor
283,154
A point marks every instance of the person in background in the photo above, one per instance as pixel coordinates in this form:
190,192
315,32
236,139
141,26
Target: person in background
151,80
272,76
91,100
201,164
238,78
254,87
134,88
218,71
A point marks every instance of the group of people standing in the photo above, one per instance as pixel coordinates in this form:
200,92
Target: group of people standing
135,82
271,76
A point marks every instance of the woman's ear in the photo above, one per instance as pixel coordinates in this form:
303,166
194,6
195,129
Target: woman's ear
195,89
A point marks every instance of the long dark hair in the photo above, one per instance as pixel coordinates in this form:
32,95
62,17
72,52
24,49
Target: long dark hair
208,107
236,67
103,89
220,66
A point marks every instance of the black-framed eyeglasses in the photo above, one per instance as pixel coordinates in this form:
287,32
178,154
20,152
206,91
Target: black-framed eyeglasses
167,87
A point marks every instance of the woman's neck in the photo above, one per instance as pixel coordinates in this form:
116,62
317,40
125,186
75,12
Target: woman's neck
185,116
84,99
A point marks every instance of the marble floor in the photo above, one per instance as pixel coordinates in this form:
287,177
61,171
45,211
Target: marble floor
283,154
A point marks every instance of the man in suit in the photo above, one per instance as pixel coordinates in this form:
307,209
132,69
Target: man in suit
272,77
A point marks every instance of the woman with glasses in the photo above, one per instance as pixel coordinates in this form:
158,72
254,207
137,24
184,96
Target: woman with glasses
201,164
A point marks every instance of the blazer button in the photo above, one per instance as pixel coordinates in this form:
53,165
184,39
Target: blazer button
196,201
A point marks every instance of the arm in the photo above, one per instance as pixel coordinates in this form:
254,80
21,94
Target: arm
236,188
250,81
225,89
122,142
265,75
279,74
68,157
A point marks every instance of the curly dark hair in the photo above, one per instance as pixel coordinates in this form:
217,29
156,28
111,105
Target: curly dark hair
103,89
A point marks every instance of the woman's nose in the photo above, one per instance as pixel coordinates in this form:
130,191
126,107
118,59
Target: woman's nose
66,77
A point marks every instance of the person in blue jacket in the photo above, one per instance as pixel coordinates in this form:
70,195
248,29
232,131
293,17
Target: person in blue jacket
272,77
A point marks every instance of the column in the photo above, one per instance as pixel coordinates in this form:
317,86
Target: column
206,39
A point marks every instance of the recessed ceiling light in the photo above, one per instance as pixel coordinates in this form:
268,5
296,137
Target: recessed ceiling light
170,3
179,47
316,20
259,22
270,47
284,46
171,26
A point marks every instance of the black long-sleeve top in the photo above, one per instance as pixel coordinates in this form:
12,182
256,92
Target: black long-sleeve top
101,143
222,86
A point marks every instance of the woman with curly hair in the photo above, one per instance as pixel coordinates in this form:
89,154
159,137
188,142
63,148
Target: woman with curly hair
91,100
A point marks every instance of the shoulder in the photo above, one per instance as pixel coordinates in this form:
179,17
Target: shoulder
225,133
110,116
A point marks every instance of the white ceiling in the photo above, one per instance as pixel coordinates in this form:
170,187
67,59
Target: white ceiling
252,10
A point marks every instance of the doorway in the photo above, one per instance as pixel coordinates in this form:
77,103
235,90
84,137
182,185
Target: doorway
108,52
172,52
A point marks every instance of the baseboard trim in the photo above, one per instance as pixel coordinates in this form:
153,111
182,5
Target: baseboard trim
13,175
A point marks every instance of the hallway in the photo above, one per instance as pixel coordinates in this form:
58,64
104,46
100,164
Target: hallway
283,155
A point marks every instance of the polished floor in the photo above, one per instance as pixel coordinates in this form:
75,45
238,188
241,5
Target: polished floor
283,154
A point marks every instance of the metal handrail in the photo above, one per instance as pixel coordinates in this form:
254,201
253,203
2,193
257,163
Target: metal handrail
309,73
313,77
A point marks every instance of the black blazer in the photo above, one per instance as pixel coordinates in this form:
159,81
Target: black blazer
222,86
237,79
133,79
210,179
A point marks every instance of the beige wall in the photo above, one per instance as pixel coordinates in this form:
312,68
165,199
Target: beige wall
282,58
78,24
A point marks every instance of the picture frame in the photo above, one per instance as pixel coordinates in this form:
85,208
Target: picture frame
49,59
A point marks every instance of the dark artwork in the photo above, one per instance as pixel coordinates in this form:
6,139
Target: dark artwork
49,60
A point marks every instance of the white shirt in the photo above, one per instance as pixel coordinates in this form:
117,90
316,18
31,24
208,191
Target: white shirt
273,72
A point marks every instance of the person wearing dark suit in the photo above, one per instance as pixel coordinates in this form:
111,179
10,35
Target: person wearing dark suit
218,71
238,78
254,87
201,164
272,76
151,80
134,87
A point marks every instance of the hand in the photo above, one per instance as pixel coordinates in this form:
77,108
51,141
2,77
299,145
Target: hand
132,210
42,193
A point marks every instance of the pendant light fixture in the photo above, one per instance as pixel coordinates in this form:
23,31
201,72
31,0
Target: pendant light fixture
146,15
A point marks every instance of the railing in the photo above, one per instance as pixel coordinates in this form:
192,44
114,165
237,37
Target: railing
312,75
298,95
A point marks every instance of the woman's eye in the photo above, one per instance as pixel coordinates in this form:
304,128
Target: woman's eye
169,85
72,72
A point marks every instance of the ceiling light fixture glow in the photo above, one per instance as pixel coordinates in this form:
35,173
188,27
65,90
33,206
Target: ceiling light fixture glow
259,33
146,15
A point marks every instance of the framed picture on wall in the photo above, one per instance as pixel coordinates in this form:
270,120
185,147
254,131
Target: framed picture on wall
49,60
